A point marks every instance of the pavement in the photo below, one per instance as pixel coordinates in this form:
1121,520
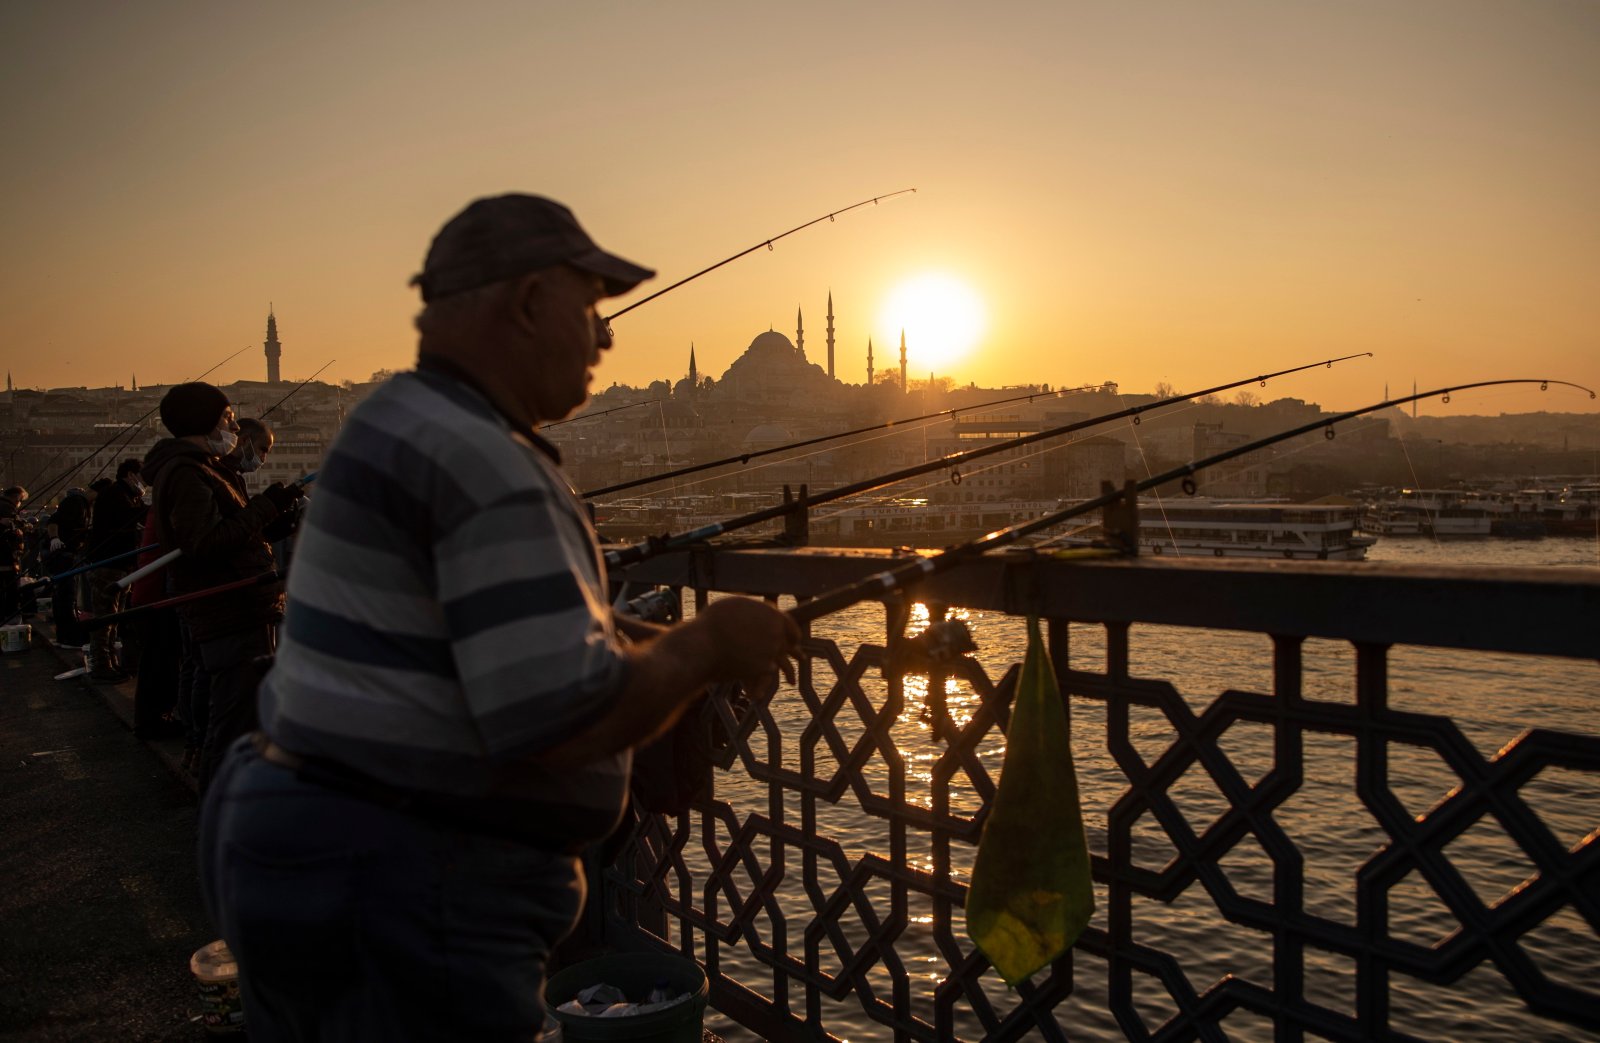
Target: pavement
100,906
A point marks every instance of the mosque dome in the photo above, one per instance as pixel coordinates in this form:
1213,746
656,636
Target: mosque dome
769,342
773,362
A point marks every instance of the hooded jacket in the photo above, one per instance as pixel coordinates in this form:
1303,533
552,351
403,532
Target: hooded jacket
198,510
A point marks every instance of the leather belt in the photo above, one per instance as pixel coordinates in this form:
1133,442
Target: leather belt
455,813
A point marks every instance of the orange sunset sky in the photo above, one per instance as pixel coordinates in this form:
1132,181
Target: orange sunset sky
1138,192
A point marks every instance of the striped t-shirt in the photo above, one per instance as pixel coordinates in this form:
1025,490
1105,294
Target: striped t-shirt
447,615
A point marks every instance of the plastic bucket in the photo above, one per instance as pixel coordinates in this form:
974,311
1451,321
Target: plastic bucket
16,637
217,975
635,974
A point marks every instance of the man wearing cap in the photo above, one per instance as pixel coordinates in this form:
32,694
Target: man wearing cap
452,710
198,511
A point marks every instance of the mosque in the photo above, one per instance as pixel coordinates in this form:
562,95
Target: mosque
774,372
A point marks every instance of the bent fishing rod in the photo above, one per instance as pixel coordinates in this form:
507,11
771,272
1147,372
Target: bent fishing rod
744,458
129,434
898,578
765,242
650,548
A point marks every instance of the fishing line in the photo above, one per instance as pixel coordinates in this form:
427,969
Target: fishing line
1416,483
765,242
1059,537
649,548
886,431
894,494
132,431
1133,429
1030,455
744,458
897,578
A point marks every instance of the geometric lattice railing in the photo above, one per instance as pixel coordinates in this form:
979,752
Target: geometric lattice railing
1324,802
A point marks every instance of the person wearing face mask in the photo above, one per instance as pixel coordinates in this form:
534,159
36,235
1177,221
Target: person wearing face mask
255,442
117,528
197,509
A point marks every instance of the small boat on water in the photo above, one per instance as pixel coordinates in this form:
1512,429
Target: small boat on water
1247,529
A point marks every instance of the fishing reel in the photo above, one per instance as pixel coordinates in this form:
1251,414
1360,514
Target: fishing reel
660,605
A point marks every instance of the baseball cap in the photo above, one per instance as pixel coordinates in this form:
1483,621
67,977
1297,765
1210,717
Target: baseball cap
499,237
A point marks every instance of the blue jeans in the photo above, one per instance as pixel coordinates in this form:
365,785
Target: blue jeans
353,921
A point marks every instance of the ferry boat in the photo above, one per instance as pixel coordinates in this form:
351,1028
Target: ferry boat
1571,509
1245,529
1434,512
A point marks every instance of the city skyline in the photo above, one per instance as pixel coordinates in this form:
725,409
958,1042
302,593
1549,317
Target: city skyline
1143,193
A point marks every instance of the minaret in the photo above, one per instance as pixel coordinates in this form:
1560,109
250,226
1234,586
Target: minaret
694,374
830,334
274,349
902,361
799,333
869,362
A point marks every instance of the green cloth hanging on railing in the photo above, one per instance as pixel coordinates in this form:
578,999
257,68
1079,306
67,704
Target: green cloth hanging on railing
1032,892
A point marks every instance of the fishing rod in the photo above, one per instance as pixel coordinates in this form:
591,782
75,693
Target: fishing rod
296,388
239,584
744,458
765,242
902,576
263,416
46,581
129,434
600,412
651,547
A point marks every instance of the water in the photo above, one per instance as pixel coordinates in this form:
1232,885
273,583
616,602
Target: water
1492,699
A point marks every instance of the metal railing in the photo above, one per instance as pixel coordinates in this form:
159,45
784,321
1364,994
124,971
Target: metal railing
1285,846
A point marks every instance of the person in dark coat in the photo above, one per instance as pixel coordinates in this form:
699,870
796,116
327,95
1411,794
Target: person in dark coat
68,532
12,544
118,528
220,532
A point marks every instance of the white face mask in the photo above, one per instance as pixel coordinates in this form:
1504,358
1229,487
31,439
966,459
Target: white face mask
248,459
221,442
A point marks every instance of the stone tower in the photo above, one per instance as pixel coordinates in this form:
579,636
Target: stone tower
694,374
274,349
799,333
869,362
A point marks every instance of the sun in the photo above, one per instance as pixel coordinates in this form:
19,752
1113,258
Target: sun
942,318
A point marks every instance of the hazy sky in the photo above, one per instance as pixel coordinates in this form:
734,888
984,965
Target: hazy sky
1136,191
